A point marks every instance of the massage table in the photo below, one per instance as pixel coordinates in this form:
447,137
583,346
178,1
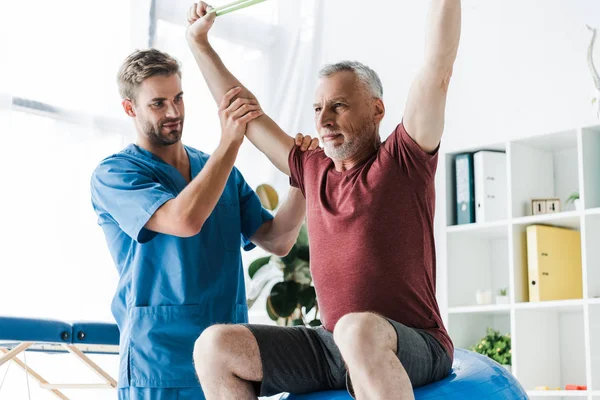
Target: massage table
80,339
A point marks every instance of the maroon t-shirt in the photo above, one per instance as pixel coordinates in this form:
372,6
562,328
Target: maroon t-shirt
371,234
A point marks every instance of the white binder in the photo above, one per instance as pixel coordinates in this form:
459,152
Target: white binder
490,186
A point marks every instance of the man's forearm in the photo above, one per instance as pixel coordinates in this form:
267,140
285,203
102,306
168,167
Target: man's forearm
218,78
197,201
279,235
263,132
443,34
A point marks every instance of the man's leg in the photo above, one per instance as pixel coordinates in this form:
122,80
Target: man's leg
227,360
387,359
369,344
243,361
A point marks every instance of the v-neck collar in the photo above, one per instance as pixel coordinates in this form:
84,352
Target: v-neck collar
181,181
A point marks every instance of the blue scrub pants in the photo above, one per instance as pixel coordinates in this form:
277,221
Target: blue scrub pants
133,393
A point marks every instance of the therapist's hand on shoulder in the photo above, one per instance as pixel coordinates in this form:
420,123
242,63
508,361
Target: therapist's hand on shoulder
235,115
306,142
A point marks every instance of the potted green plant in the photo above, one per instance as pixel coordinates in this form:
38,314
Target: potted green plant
495,346
574,198
292,299
502,296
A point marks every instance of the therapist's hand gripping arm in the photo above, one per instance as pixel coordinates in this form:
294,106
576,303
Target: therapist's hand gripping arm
185,215
263,132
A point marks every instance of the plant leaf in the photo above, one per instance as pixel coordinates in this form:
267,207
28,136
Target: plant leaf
284,298
270,311
315,322
290,269
298,322
303,253
252,299
302,239
291,256
257,264
302,273
307,298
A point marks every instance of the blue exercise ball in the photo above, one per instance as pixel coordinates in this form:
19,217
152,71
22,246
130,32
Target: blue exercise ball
473,377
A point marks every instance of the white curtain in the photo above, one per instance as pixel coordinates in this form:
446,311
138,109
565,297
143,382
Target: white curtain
60,114
298,57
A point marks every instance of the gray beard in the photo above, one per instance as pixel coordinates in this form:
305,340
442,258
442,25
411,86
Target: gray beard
348,149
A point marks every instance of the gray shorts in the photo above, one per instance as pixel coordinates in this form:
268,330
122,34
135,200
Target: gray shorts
304,360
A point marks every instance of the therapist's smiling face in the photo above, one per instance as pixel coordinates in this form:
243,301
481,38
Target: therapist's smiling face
159,109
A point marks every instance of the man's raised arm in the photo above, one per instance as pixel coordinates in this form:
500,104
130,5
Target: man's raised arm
263,132
426,104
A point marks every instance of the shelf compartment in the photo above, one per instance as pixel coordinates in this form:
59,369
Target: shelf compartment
550,347
520,261
451,178
477,260
543,167
468,329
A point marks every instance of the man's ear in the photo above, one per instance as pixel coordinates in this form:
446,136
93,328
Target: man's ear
379,110
128,107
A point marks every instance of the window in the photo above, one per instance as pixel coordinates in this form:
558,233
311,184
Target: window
60,115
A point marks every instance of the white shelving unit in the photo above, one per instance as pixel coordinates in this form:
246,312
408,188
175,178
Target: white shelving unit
554,343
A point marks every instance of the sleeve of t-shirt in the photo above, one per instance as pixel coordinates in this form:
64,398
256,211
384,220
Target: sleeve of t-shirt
252,213
128,195
415,161
296,160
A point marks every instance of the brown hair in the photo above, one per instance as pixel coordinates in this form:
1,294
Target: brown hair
141,65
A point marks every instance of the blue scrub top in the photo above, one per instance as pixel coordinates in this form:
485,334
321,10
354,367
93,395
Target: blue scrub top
170,288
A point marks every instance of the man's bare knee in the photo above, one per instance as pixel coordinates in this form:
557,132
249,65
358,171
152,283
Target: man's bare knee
211,347
363,334
230,349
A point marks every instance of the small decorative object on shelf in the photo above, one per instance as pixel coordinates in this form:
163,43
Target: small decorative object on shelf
483,297
545,206
567,387
574,198
575,387
502,296
495,346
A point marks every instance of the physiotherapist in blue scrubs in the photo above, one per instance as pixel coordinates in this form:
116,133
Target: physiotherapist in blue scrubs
174,219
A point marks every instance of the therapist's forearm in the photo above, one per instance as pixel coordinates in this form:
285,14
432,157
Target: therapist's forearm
263,132
196,202
279,235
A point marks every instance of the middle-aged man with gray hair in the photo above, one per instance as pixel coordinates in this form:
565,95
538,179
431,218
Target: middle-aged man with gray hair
370,210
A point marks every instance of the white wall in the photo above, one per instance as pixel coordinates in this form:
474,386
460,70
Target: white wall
521,67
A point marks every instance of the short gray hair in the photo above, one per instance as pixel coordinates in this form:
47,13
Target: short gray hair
366,75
